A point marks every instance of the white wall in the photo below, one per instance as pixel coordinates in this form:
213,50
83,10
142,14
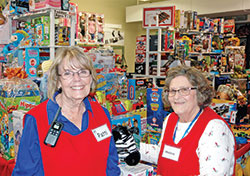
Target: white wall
134,13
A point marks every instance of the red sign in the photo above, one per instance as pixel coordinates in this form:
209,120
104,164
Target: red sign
165,16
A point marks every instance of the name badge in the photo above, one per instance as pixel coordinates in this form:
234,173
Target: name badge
170,152
101,132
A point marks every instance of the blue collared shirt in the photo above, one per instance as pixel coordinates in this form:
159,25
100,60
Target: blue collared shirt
29,159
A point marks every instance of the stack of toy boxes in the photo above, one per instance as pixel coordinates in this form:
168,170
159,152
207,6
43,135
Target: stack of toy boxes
137,91
15,94
225,108
132,122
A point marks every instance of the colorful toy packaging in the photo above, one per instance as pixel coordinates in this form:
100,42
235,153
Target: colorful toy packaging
31,61
35,5
17,128
226,109
15,94
137,90
155,109
132,122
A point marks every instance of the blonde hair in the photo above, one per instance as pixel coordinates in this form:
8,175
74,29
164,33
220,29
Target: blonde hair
76,58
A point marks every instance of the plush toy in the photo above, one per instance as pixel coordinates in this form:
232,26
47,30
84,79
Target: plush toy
126,146
15,41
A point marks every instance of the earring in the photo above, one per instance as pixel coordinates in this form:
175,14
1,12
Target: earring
59,90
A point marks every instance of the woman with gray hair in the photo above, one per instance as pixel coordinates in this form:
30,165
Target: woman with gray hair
195,140
68,134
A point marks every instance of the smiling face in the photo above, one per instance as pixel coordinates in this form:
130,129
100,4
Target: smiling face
185,107
76,88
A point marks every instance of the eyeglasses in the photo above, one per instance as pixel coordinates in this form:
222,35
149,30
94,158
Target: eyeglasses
182,91
70,74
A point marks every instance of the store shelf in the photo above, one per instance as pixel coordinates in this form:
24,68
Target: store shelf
52,13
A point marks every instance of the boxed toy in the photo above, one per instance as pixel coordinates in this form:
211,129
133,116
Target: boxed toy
35,5
108,82
133,123
15,94
31,61
137,170
17,127
151,137
137,89
226,109
155,108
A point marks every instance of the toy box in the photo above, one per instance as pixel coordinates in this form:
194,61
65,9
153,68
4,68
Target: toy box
143,113
108,82
138,170
17,127
155,108
35,5
133,123
226,109
242,130
151,137
15,94
103,63
31,61
137,88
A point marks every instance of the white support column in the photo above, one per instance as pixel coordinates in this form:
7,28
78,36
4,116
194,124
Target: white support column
147,50
52,34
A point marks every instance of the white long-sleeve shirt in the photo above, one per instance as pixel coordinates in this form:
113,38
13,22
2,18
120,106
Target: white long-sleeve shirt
215,149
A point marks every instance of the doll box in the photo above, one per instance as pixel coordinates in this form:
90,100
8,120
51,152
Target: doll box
35,5
137,170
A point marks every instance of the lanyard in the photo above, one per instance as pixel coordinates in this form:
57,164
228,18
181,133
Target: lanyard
197,115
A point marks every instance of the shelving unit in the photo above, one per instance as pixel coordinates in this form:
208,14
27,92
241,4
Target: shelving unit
159,49
52,14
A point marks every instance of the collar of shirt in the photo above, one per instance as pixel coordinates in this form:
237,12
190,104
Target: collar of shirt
69,127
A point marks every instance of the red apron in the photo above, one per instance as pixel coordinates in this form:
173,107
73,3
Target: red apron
188,162
74,155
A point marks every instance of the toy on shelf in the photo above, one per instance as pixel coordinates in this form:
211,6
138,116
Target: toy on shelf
15,40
